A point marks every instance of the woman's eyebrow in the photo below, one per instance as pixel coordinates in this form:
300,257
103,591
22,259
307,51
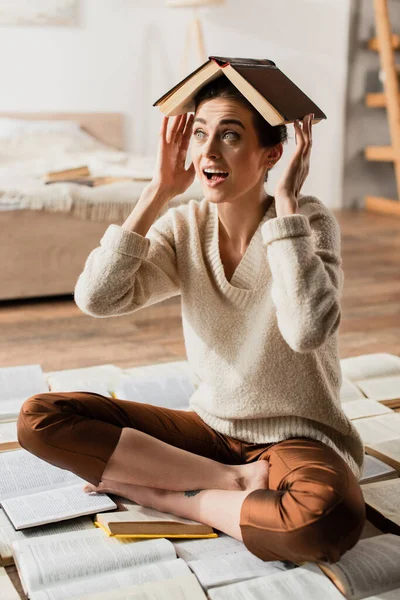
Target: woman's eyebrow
222,122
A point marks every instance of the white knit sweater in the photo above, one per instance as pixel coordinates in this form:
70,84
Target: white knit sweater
263,346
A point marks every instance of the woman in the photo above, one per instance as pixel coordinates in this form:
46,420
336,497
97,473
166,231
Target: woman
265,454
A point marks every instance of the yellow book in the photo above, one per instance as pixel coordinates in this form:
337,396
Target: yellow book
145,523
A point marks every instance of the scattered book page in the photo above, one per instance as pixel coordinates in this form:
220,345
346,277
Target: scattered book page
123,578
372,566
382,428
388,451
8,534
223,570
51,506
303,583
369,366
53,559
359,409
8,436
17,384
384,496
185,587
7,590
100,379
165,384
196,549
375,469
21,472
350,392
381,388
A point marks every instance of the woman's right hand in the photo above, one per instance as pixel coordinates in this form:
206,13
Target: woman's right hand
170,175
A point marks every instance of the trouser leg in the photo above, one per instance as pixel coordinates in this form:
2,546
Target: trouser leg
79,431
313,510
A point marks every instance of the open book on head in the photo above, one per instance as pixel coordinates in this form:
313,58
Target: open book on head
33,492
62,567
144,522
260,81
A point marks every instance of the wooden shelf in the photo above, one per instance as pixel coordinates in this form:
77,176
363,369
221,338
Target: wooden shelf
376,100
382,205
379,153
373,43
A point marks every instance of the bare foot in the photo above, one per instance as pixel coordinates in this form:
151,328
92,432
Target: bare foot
254,476
145,496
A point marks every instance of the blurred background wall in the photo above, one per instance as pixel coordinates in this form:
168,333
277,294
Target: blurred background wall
125,54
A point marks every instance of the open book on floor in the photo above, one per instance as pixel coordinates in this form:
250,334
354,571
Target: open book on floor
225,560
383,501
8,534
168,384
100,379
17,384
376,375
371,567
381,437
7,590
376,470
33,492
8,436
143,522
184,587
62,567
306,582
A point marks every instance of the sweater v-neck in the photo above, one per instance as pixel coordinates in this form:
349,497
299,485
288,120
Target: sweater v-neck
243,281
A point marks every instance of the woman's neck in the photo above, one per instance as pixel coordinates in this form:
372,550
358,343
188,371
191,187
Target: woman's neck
237,224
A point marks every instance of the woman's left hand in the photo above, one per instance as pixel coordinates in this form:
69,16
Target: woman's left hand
289,186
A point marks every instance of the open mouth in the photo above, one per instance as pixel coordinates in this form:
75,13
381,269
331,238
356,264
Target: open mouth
220,176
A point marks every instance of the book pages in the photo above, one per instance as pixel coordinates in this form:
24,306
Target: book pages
384,497
8,436
358,409
222,570
388,451
51,506
196,549
303,583
52,559
382,428
381,388
8,534
350,392
142,514
166,384
370,366
392,595
158,578
21,472
100,379
7,590
17,384
373,468
370,567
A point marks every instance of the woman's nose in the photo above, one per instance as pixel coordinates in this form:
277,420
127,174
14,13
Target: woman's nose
211,148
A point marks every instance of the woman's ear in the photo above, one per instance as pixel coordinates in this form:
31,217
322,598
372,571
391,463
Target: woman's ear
273,155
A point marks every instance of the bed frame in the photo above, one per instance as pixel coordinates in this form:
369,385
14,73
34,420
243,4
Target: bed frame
43,253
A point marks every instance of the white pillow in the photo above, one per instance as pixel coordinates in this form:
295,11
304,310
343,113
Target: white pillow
10,128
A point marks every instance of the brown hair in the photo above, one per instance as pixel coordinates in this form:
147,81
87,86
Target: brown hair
222,87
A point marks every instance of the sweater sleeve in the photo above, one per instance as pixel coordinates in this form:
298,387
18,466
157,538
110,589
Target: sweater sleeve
307,279
128,271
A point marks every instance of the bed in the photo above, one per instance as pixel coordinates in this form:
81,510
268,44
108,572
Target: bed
47,231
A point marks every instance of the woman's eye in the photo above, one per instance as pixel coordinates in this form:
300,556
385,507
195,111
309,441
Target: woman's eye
235,135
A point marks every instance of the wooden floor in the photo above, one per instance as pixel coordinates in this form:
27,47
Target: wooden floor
56,334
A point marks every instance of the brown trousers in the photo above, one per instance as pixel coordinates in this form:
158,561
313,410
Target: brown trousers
313,510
